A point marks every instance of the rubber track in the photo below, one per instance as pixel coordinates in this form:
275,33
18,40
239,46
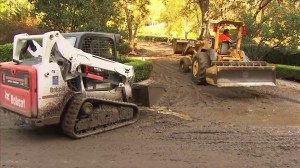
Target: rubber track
70,118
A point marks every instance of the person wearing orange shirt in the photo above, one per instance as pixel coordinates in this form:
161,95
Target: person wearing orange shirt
225,36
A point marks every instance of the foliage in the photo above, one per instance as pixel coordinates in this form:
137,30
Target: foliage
180,17
9,28
281,57
135,12
15,18
142,69
124,47
156,8
18,10
288,72
269,54
6,52
77,15
255,52
277,26
272,25
156,38
153,38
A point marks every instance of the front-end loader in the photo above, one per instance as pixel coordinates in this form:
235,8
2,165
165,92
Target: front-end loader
222,63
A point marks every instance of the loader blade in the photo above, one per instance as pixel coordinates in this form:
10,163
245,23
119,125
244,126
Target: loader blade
241,74
147,94
180,46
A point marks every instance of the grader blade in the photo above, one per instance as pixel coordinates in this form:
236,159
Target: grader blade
241,74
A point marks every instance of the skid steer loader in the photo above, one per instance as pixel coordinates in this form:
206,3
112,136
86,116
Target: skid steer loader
221,63
51,81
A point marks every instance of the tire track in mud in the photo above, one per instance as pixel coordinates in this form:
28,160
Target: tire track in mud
169,82
239,139
252,105
187,92
247,121
181,90
281,94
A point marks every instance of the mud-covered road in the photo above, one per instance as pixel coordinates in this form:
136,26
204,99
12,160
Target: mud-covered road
192,126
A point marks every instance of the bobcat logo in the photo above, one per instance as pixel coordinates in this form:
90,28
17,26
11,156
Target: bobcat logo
7,96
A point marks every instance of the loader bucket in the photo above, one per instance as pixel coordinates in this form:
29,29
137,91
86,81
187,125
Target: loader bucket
147,95
180,46
241,74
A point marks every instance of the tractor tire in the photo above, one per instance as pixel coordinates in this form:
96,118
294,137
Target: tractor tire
184,65
200,63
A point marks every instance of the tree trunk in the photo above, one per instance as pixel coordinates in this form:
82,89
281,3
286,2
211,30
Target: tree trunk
204,6
198,23
130,29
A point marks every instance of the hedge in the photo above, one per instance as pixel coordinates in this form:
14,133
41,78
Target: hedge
285,58
288,72
275,56
156,38
6,52
142,69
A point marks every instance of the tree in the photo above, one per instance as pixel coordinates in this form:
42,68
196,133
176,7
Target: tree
190,14
15,18
104,16
18,10
172,18
155,10
135,12
61,15
278,26
77,15
180,17
204,7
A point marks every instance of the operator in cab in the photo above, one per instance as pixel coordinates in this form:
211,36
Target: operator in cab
225,36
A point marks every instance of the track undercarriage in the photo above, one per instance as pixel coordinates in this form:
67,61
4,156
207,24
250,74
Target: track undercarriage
89,115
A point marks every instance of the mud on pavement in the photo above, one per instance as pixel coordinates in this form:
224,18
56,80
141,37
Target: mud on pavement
192,126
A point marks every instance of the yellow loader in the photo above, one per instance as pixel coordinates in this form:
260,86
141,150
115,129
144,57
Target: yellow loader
222,63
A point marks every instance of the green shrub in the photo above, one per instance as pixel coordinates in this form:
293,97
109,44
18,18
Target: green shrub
283,57
156,38
255,52
124,48
142,69
271,55
288,72
6,52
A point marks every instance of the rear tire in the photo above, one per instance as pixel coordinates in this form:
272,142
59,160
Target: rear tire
200,63
184,65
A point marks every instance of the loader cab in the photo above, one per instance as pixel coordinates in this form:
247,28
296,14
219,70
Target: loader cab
227,50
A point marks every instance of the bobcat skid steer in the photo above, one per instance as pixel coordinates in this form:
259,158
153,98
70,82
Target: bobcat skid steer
49,81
